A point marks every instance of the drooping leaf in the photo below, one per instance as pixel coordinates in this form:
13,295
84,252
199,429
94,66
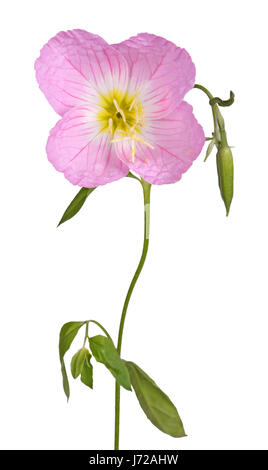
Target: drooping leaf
65,381
76,204
67,334
156,405
87,372
105,352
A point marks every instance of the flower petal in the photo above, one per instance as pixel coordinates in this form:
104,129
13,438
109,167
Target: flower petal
75,66
177,140
77,148
162,71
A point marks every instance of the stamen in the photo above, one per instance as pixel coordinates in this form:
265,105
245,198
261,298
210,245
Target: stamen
116,105
119,110
132,150
142,118
110,126
134,99
120,139
133,104
129,133
132,138
144,142
121,131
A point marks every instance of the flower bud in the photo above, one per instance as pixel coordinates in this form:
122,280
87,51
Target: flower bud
226,175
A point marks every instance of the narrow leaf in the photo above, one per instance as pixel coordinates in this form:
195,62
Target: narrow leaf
67,334
209,149
104,351
65,381
155,403
76,204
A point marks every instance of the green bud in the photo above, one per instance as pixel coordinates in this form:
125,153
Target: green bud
77,362
226,175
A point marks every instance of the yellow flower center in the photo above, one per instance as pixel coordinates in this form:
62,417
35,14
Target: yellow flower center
122,115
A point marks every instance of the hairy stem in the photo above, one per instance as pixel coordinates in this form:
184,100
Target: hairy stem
146,195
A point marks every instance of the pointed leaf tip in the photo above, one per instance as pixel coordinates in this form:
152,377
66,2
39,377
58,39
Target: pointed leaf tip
209,149
67,334
76,204
225,169
156,405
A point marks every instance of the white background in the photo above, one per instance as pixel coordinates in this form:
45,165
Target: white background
197,322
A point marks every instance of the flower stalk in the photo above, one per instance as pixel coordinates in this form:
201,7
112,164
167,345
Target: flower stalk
224,157
146,197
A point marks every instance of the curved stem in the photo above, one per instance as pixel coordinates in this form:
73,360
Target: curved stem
130,175
215,112
101,327
205,90
146,195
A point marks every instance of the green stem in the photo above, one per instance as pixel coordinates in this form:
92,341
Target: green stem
130,175
215,112
146,195
101,327
205,90
86,335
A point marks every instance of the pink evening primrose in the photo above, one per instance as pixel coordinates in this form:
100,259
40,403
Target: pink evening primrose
122,108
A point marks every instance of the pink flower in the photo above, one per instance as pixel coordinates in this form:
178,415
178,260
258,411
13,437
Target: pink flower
121,108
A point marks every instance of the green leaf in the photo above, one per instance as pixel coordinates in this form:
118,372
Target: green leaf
65,381
155,403
76,204
87,372
209,149
67,334
80,365
104,351
77,362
